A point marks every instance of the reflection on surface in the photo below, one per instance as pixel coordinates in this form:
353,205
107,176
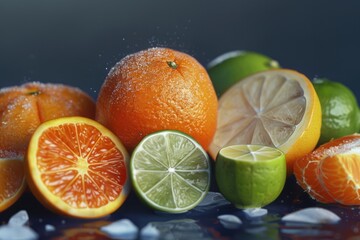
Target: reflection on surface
181,229
199,223
88,231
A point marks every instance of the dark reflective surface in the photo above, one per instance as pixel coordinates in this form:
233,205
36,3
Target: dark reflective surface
199,223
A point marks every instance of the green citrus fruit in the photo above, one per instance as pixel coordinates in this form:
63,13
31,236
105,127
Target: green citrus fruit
170,171
228,68
340,111
250,176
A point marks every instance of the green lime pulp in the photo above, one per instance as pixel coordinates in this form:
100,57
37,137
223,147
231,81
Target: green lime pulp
170,171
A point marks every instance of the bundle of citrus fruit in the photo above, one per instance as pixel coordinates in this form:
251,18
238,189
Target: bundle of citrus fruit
284,109
156,120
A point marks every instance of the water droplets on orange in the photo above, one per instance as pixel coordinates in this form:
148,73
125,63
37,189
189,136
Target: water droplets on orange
23,108
145,92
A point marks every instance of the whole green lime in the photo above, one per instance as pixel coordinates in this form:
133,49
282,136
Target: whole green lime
228,68
340,111
250,176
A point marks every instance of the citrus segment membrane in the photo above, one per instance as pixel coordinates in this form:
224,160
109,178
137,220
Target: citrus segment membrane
78,167
342,170
170,171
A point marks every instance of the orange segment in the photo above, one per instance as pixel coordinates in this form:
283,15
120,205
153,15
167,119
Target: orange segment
12,179
331,173
308,178
340,175
77,167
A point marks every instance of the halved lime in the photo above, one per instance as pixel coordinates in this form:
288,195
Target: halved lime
250,176
170,171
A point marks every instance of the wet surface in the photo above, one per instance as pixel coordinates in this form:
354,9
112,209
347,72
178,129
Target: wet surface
199,223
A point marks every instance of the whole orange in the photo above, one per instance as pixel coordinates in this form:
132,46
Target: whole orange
23,108
158,89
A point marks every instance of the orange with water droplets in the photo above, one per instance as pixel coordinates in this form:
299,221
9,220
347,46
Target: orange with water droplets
158,89
77,167
23,108
331,173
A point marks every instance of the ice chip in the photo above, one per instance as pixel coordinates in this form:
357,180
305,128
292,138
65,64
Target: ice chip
230,221
13,232
313,215
255,212
49,228
123,229
19,219
211,200
149,232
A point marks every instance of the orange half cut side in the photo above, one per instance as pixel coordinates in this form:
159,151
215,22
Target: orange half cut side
77,167
12,178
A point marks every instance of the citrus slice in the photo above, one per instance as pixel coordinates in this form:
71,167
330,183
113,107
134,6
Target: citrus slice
277,108
170,171
250,176
77,167
12,178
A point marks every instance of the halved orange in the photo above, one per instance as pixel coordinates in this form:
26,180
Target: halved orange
277,108
77,167
12,178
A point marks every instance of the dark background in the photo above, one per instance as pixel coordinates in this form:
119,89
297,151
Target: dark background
77,42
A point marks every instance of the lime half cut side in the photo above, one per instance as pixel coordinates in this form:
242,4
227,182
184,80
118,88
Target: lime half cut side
250,176
170,171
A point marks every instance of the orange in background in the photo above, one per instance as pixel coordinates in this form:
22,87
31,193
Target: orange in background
158,89
23,108
331,173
